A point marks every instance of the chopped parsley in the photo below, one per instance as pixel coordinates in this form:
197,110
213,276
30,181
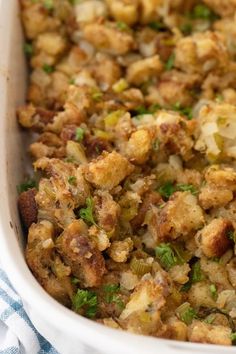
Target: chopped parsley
156,145
48,68
157,26
233,338
87,213
26,185
75,281
74,2
72,180
141,110
111,288
86,300
48,4
72,81
186,28
185,111
186,188
170,62
213,291
169,188
111,295
231,235
28,49
122,26
97,96
79,134
166,255
203,12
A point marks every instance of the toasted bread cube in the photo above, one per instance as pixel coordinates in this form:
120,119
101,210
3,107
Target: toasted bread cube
214,237
108,170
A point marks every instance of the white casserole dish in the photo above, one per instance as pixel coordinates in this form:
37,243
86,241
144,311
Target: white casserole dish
68,332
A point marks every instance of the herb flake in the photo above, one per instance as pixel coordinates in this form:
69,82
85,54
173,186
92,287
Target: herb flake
170,62
79,134
87,213
86,300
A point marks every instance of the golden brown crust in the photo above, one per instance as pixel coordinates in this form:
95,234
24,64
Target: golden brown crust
77,251
28,207
215,237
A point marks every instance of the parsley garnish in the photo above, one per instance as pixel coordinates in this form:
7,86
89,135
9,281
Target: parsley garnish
48,4
87,213
203,12
186,28
233,337
74,281
97,96
86,300
231,235
122,26
48,68
170,62
79,134
72,180
150,110
25,186
157,26
168,189
186,188
185,111
72,81
166,255
111,295
28,49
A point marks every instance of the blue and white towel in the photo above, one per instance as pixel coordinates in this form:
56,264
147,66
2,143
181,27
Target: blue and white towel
17,333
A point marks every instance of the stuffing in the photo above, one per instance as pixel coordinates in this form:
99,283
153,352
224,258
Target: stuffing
51,43
174,133
108,39
139,146
201,53
106,210
205,333
85,260
217,131
142,312
119,250
130,212
223,8
181,215
215,237
90,11
40,257
28,207
124,10
200,295
173,87
108,171
143,70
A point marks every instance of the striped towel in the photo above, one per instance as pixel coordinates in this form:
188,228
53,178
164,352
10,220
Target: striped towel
17,333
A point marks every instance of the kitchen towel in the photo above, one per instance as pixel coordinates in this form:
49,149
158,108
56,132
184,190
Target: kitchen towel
17,333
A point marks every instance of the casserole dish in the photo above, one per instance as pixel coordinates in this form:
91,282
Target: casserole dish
68,332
